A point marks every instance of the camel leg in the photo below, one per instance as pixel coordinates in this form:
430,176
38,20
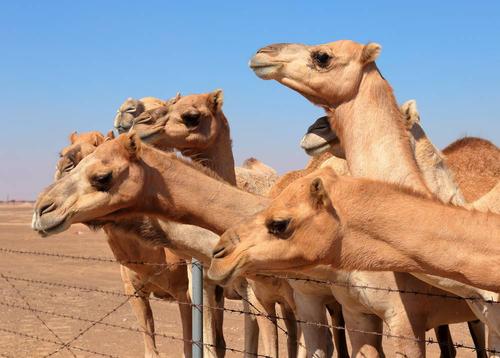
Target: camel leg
364,345
267,325
291,328
477,331
210,317
219,322
413,343
493,344
133,285
445,341
316,339
186,313
339,337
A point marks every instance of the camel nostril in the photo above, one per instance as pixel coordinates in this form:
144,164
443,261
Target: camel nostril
219,252
47,208
272,48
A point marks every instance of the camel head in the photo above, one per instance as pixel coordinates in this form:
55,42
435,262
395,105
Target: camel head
109,179
80,146
327,74
191,122
295,232
132,108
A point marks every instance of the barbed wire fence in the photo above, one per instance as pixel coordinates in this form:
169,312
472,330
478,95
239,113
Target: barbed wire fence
71,346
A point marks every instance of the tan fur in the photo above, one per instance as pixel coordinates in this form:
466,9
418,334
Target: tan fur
360,104
209,144
124,239
476,164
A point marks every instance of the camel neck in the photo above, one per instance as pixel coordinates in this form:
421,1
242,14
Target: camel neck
418,235
176,190
435,171
218,156
371,130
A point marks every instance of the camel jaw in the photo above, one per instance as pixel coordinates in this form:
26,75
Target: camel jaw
315,146
52,227
265,70
222,275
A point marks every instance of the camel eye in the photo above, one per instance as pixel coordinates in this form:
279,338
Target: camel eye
131,110
321,59
278,227
191,119
102,182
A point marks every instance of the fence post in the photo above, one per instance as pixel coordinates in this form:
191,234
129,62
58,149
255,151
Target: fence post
197,291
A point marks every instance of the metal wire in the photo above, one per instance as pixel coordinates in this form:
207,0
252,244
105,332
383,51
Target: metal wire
112,325
36,315
288,277
37,338
164,267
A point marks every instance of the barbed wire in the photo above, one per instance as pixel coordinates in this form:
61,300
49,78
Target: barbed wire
377,288
113,325
89,258
41,339
113,310
257,313
287,277
18,292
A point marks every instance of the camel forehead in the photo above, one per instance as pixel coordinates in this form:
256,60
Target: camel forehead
345,46
184,103
88,137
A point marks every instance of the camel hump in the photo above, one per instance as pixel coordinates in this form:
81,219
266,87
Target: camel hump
470,142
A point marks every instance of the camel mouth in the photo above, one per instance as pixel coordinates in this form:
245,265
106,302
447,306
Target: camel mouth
263,69
223,276
55,227
317,150
151,135
309,143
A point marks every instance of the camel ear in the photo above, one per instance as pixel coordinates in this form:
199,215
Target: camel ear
110,135
370,52
72,137
171,101
132,143
319,195
215,100
410,113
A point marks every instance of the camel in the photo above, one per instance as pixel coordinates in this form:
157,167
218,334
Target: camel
203,134
140,281
343,78
141,180
196,125
132,108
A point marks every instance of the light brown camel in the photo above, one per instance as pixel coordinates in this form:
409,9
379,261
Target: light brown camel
139,280
196,125
165,273
139,179
481,156
343,76
356,224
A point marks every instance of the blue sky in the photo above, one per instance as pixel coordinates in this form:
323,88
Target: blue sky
67,65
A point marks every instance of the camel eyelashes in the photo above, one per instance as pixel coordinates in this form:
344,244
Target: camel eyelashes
191,119
321,59
102,181
278,227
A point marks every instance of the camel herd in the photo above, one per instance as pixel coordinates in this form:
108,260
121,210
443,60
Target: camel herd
377,206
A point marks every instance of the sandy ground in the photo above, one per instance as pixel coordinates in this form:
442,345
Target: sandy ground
123,341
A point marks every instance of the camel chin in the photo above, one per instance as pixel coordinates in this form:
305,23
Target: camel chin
264,70
314,144
50,227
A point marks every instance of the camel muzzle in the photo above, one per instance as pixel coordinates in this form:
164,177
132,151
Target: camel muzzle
272,50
